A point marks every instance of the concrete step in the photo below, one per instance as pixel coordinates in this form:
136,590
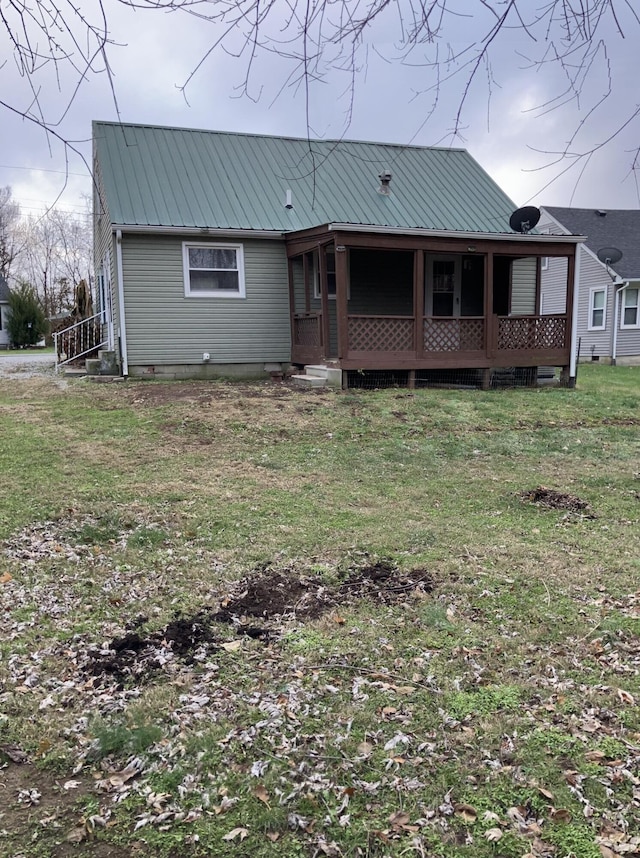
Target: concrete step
309,381
331,373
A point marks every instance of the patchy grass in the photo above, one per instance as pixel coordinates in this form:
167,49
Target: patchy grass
248,620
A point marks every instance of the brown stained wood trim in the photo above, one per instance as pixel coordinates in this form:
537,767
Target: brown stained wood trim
458,360
571,268
307,295
515,247
304,244
342,299
325,334
418,299
491,327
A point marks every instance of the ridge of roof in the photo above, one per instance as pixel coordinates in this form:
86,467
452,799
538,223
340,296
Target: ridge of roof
323,140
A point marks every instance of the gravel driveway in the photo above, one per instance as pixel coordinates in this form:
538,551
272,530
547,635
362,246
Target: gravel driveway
15,365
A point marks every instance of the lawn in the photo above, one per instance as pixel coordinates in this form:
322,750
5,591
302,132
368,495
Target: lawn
247,620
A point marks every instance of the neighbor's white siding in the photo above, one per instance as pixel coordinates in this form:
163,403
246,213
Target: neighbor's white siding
165,327
4,318
523,287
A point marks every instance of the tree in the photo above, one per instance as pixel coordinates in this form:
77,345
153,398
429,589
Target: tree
454,47
27,323
57,255
9,218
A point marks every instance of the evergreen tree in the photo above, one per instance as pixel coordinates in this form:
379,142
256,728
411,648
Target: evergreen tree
27,323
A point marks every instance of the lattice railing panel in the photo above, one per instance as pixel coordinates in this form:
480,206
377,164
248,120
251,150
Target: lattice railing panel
453,335
531,333
380,334
306,331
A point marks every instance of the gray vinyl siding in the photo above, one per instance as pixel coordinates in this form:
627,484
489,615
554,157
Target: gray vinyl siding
523,287
165,327
553,279
628,338
593,275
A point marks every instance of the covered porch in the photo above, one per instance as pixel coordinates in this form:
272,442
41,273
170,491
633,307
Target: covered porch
375,300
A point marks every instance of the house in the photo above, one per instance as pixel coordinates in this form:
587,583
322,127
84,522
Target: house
608,302
4,313
222,254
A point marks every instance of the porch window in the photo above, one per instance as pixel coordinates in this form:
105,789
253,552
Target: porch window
597,310
630,308
213,270
330,268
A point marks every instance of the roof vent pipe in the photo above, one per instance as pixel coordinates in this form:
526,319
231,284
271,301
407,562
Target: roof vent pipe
288,200
385,181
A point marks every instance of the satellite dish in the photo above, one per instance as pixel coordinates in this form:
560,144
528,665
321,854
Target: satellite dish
524,220
609,255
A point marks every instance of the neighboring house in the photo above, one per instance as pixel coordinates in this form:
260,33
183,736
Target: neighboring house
608,304
229,254
4,313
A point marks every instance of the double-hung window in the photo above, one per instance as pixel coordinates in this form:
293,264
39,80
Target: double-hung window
631,308
597,309
213,270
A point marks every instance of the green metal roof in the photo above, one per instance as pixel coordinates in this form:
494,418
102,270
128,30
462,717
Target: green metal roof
178,177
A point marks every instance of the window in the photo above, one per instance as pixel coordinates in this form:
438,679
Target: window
330,268
213,270
597,310
630,307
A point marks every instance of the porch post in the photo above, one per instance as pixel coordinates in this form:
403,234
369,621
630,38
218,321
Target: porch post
324,303
307,296
418,301
568,373
489,318
342,298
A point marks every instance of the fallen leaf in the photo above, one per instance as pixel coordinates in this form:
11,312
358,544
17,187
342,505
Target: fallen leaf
339,620
273,836
560,815
231,646
365,749
398,819
493,834
261,794
468,813
77,835
546,793
595,756
5,578
236,832
625,697
71,785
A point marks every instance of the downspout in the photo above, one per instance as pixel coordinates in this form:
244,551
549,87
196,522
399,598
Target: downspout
574,319
123,324
619,286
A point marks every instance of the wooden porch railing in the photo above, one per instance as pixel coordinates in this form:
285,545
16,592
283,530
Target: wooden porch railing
381,333
306,330
532,333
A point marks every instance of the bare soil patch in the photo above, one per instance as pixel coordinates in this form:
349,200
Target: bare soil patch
270,595
552,499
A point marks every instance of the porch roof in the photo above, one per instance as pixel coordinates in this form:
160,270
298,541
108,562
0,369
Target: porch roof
191,179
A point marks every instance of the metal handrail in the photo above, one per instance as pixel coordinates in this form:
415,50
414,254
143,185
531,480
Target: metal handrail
67,331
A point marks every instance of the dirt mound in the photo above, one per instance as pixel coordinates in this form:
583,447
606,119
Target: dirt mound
268,594
556,500
133,655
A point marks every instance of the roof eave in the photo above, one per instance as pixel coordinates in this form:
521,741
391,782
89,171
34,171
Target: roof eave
453,233
200,232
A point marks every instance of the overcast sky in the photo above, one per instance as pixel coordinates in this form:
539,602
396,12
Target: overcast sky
392,102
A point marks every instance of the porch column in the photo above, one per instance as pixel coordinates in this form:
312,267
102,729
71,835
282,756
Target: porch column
325,332
568,373
418,301
490,333
342,299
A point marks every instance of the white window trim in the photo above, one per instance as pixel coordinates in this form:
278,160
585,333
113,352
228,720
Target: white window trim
213,293
590,325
